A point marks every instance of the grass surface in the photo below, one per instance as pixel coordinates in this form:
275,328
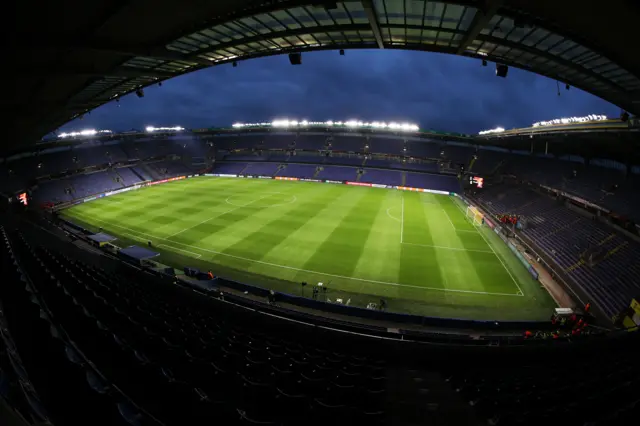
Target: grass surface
417,250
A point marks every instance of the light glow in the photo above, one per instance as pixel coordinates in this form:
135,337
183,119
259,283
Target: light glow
490,131
286,123
151,129
86,132
570,120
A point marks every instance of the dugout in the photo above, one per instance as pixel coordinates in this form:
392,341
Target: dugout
101,239
137,255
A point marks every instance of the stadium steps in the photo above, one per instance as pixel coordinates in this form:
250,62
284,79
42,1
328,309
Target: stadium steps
244,169
129,150
280,168
609,238
150,172
473,161
616,249
119,179
318,170
497,167
575,266
138,173
404,178
364,161
360,175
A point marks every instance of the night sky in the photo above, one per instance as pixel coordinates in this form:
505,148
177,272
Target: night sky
435,91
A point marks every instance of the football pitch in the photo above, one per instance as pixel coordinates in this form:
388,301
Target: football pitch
416,250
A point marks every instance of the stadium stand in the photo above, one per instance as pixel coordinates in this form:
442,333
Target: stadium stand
298,170
310,142
279,141
436,182
423,150
348,143
565,235
261,169
386,177
165,169
132,348
420,167
373,162
337,173
230,168
386,145
351,161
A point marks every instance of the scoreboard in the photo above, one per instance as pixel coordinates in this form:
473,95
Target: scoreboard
23,199
476,181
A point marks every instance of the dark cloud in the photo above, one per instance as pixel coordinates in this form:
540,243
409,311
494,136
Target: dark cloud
441,92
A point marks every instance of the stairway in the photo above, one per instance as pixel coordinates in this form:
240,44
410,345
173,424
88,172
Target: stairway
364,161
404,178
318,170
360,175
244,169
280,168
150,172
473,161
118,178
136,172
496,168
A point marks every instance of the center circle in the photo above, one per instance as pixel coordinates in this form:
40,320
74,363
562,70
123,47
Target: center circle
266,199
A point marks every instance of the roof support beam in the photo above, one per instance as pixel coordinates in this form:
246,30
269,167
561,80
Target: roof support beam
551,58
480,20
372,16
128,72
105,47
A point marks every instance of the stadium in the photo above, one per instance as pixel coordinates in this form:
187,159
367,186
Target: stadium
341,271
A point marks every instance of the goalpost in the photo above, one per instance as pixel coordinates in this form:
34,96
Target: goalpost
474,216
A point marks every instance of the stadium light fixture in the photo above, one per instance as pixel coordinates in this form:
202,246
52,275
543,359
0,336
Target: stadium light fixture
151,129
87,132
571,120
502,70
354,124
490,131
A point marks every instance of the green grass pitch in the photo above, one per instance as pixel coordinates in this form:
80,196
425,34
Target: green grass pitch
417,250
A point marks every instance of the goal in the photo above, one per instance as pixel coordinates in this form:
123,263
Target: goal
474,216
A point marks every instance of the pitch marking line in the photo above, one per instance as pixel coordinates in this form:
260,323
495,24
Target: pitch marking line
179,249
292,200
218,215
392,217
309,271
448,248
503,265
454,227
520,292
402,221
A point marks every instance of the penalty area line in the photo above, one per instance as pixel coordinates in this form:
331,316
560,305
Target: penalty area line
446,290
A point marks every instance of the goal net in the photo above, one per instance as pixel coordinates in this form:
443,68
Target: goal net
474,215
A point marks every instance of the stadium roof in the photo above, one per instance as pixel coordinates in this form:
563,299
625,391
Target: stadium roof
77,55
